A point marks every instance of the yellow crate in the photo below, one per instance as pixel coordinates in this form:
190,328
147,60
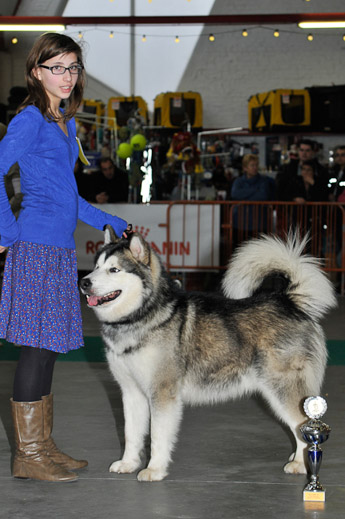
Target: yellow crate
282,109
124,108
175,109
93,107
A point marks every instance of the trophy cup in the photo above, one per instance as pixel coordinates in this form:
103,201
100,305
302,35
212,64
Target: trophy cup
315,432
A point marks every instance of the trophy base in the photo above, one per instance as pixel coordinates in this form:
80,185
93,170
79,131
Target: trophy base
314,495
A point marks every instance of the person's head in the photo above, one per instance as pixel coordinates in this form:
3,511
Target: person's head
250,165
339,156
49,86
107,167
308,168
305,150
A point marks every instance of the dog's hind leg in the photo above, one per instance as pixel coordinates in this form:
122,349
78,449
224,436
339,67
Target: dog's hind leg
136,411
165,421
288,411
285,390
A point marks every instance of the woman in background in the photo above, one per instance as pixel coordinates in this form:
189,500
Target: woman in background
249,220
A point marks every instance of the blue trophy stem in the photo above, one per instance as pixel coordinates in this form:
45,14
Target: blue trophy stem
314,459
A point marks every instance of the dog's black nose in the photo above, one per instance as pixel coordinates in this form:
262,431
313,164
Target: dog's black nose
85,283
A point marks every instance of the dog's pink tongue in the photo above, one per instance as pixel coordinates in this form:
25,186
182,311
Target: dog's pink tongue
92,301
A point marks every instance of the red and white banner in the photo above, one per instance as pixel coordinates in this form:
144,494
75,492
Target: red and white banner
194,233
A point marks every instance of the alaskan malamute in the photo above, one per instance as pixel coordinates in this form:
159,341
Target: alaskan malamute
166,347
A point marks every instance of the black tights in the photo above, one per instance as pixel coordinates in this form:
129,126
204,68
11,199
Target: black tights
34,374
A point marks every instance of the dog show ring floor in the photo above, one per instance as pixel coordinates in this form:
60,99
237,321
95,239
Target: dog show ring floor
228,461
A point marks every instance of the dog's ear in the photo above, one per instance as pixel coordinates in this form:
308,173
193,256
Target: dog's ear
139,248
109,235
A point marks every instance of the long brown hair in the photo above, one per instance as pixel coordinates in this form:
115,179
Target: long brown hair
48,46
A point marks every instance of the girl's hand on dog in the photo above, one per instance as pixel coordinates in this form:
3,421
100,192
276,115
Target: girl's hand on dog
128,231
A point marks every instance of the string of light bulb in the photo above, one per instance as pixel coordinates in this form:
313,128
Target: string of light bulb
277,33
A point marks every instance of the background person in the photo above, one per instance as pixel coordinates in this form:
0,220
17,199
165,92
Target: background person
251,187
12,181
40,303
308,186
83,180
285,179
110,184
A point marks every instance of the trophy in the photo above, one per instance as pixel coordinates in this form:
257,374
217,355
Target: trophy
315,432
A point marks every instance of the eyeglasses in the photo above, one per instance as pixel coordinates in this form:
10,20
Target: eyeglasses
59,70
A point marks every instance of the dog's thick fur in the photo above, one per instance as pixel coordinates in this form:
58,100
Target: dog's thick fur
167,348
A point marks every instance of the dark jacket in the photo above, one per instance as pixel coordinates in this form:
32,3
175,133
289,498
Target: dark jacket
116,187
285,179
316,193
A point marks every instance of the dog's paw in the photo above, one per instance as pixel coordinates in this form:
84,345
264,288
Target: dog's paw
124,467
151,475
295,467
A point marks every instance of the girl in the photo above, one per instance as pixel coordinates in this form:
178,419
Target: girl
40,306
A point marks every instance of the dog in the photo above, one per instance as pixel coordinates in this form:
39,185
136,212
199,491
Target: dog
166,347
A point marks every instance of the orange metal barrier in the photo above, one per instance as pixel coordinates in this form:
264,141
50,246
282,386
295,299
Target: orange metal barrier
239,221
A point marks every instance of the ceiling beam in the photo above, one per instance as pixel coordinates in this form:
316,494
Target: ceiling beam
226,19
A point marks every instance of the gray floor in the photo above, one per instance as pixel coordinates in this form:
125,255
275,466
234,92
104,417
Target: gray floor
227,463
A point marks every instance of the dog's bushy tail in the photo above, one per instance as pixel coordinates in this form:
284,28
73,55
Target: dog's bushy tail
306,284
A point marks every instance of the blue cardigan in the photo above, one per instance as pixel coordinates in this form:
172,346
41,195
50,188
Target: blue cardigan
51,205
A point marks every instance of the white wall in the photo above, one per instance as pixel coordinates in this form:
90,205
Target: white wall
95,89
231,69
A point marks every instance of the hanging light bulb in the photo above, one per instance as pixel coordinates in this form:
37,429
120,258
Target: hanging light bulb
276,33
310,37
14,40
80,35
244,33
143,38
177,39
211,37
111,35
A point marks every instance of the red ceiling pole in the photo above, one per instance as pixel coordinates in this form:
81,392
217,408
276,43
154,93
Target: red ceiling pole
238,19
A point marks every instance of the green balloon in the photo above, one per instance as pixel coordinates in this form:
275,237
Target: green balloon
124,150
138,142
123,133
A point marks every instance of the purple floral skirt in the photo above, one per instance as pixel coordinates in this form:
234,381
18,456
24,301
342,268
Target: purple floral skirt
40,302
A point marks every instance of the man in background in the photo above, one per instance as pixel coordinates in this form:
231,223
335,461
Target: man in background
109,185
286,178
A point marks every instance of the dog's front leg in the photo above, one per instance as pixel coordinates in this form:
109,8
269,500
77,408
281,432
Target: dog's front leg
165,421
136,411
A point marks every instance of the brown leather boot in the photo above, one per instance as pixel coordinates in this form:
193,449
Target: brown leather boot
31,459
52,450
